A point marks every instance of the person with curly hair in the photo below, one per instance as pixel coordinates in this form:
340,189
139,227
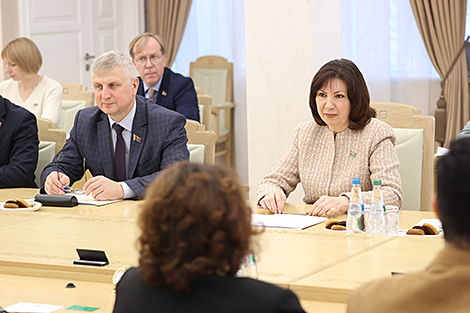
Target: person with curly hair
195,231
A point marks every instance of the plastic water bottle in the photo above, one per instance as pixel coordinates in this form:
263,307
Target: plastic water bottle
248,267
377,224
355,222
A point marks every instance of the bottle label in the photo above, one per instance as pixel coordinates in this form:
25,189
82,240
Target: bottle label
354,209
376,211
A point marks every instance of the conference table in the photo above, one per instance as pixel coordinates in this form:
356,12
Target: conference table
322,267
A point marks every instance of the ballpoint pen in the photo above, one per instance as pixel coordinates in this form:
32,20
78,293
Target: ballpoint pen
64,188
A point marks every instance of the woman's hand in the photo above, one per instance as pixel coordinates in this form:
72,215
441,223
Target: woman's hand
329,206
273,201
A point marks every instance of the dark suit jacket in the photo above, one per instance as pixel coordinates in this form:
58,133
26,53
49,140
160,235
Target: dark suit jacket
162,139
176,93
210,294
18,145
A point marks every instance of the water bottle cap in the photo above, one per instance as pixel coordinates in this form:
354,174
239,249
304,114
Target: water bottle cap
356,181
377,182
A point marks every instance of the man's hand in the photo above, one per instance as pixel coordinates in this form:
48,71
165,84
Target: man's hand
273,201
101,187
55,181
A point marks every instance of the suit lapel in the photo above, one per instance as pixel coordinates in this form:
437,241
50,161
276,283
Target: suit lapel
138,136
3,112
162,92
104,140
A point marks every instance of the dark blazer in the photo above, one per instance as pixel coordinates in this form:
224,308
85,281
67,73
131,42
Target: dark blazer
158,140
212,293
176,93
18,145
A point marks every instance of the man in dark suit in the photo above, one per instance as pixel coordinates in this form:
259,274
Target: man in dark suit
444,285
18,146
168,89
124,141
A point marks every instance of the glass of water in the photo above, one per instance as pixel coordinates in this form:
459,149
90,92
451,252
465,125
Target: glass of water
392,218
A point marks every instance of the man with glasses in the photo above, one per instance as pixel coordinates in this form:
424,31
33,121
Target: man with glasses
125,140
158,83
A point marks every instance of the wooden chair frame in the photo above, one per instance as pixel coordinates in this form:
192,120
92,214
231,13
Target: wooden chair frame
74,91
198,135
216,62
400,115
48,131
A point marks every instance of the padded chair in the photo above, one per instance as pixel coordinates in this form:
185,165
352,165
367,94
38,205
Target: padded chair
48,131
74,98
205,108
415,149
214,75
46,154
201,143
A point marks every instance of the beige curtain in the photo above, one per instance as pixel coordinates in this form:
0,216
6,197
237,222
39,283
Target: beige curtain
167,18
442,27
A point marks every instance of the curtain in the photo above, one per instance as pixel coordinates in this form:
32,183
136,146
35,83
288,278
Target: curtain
381,37
167,18
213,28
442,28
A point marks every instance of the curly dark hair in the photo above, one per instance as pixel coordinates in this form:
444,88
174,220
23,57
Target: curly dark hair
361,112
194,222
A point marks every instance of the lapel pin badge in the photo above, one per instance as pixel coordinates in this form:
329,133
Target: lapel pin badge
352,153
164,93
137,138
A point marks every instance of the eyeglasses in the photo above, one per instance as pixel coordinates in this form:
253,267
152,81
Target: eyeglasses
153,59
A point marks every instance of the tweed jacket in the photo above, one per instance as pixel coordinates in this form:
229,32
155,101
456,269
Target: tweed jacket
442,287
325,163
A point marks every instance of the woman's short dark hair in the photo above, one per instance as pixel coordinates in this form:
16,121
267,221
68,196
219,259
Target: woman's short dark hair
358,94
194,222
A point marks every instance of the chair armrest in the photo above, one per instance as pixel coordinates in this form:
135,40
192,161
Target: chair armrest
216,108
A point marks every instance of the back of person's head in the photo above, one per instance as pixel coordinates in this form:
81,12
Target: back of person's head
453,190
139,42
358,94
110,60
24,53
194,222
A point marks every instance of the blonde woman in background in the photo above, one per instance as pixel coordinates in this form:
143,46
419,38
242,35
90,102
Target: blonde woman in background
39,94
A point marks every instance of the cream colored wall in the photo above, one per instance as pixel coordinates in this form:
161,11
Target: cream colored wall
286,43
10,27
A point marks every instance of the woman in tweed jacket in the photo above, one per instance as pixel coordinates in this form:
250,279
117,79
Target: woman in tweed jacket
344,141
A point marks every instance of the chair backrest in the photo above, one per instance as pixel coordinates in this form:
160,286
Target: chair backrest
69,110
75,97
214,75
74,91
415,149
205,105
46,154
198,137
48,131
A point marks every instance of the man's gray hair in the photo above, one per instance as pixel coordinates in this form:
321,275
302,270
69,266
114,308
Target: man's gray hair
110,60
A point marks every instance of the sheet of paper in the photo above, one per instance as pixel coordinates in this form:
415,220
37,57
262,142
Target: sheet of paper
82,199
294,221
26,307
441,151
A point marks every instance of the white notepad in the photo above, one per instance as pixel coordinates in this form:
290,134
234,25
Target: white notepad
294,221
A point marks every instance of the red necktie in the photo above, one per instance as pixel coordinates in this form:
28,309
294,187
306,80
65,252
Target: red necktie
119,155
